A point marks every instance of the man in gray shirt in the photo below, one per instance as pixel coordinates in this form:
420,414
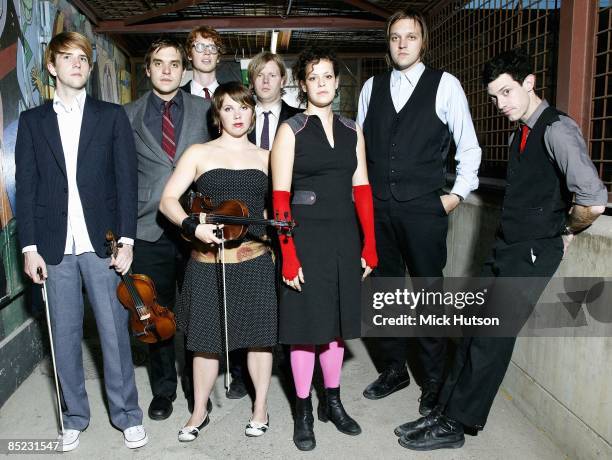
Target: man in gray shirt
548,162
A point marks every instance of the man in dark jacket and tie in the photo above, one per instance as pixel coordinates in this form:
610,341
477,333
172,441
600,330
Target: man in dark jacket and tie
165,122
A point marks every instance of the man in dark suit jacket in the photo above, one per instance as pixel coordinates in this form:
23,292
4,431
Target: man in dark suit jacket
76,179
267,77
165,122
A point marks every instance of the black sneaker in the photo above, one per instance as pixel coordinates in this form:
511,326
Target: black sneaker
389,381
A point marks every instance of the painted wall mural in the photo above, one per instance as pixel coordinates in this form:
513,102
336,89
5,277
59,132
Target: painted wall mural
26,26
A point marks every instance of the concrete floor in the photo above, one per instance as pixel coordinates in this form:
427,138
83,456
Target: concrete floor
30,413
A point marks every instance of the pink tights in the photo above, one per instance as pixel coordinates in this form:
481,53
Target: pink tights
302,365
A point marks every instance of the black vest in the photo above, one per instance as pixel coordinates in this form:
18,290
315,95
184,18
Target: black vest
406,151
536,199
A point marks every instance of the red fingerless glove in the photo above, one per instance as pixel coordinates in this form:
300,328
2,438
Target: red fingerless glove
364,205
282,211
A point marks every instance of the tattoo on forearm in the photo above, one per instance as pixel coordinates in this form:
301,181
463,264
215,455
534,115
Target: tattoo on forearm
580,218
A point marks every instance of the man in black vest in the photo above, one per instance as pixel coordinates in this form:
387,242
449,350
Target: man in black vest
409,116
548,161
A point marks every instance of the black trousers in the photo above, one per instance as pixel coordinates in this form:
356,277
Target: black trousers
412,235
480,363
163,261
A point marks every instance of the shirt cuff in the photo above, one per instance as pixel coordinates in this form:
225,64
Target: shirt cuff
31,248
125,240
462,190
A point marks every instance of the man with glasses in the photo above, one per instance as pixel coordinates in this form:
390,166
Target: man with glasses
204,47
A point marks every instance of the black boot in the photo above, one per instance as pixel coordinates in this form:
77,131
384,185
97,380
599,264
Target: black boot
303,433
429,397
332,409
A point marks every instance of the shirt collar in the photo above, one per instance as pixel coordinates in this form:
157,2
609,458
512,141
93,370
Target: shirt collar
276,110
412,76
78,103
531,121
158,103
196,88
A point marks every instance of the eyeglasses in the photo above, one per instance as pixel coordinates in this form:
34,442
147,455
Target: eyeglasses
202,47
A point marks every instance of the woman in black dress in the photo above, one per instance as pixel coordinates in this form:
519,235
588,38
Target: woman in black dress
229,167
319,158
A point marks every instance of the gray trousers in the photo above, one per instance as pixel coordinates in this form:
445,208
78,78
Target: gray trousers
64,287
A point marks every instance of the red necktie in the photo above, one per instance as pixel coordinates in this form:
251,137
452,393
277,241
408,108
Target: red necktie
524,134
206,94
168,140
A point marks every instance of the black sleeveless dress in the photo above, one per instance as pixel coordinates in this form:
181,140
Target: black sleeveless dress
250,285
327,236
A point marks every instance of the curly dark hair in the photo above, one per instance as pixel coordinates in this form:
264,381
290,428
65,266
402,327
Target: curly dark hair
310,56
516,63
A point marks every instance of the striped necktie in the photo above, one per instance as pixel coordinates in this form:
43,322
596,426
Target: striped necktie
207,94
168,139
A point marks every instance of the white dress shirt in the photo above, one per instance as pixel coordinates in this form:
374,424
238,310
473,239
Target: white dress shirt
69,119
452,110
198,90
272,121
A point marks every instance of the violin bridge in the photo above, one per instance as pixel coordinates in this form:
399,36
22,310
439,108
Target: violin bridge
145,316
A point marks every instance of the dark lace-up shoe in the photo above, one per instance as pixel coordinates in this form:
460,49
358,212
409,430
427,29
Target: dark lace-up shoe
388,382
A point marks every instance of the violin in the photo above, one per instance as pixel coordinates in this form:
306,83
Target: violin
149,321
233,214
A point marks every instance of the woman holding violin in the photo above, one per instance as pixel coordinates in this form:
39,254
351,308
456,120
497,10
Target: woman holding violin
318,160
228,168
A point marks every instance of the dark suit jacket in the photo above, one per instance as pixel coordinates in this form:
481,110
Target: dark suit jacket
286,112
106,178
154,166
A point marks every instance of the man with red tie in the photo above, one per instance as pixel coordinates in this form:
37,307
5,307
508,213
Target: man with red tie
165,122
548,162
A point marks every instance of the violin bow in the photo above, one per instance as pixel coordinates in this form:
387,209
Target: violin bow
57,387
222,251
217,219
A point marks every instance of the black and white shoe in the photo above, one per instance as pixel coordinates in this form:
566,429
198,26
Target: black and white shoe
189,433
255,429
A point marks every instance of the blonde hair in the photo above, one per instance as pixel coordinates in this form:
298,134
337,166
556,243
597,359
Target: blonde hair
64,40
259,62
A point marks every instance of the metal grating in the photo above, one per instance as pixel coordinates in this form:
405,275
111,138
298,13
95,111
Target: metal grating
601,115
465,34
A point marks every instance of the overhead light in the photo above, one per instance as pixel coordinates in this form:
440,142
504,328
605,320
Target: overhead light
273,41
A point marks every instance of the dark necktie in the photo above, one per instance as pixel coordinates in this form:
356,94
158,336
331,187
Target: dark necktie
265,133
206,94
524,134
168,140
